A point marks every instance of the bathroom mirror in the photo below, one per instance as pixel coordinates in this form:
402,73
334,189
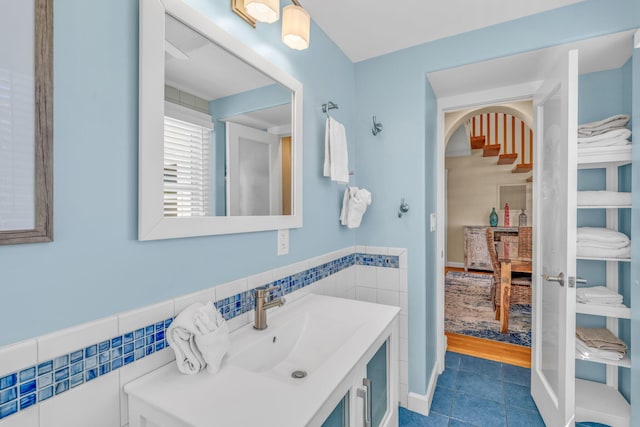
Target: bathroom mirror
26,122
220,131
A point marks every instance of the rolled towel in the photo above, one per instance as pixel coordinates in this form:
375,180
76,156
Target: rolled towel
199,336
601,235
602,126
213,340
614,134
357,206
181,336
603,198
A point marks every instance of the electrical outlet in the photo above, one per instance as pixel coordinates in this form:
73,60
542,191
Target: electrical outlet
283,242
432,222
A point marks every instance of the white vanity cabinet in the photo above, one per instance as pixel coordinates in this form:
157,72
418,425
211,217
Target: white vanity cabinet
595,401
372,398
338,342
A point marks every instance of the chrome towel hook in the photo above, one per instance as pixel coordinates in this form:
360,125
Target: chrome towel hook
377,127
404,208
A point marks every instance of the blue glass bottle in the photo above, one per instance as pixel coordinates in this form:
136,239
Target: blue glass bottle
493,218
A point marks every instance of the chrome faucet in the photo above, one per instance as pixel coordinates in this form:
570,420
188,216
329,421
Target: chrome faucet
262,305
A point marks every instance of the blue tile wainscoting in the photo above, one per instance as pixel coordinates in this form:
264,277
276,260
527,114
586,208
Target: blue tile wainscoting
33,384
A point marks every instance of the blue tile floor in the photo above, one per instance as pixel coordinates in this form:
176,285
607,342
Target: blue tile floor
473,392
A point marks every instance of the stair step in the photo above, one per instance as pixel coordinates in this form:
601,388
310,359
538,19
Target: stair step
523,168
477,142
491,150
507,159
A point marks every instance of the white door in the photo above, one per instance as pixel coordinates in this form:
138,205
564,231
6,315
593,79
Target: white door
254,171
555,180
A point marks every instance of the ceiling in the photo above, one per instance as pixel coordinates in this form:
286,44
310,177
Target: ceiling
364,29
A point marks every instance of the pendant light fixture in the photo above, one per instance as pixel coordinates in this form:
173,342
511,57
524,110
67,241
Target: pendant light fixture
296,24
263,10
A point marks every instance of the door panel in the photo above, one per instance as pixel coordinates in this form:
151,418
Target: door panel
555,177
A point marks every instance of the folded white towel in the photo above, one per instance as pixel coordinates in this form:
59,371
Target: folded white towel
603,198
601,235
597,292
602,126
336,156
199,337
602,245
614,134
599,295
605,143
354,205
591,252
585,352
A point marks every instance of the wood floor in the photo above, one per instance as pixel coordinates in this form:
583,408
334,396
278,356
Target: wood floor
488,349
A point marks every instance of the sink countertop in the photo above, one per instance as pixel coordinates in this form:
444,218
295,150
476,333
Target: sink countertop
239,397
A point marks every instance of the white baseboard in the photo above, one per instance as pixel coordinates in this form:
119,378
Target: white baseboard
455,264
421,403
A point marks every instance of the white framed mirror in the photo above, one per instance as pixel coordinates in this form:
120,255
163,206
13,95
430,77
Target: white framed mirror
220,131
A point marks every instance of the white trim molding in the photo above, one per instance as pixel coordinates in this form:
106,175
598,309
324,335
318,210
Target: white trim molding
421,403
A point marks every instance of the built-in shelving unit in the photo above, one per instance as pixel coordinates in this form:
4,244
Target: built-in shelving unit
595,401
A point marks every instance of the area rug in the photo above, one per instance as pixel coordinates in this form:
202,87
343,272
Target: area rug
468,310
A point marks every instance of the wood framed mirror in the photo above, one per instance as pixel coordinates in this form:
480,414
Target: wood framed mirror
26,122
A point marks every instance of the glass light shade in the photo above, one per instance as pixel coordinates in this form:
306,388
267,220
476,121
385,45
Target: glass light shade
296,25
263,10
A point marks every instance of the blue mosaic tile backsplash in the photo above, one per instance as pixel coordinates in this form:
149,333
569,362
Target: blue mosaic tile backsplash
33,384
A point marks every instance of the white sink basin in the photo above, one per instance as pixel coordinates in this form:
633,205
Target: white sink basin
303,343
324,336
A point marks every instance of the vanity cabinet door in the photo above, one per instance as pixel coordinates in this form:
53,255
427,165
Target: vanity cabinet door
378,374
339,417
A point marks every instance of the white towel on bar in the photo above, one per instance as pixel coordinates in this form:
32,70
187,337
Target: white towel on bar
354,204
199,336
602,126
336,156
615,134
603,198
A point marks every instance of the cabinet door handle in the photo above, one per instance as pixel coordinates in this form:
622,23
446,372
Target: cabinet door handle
365,394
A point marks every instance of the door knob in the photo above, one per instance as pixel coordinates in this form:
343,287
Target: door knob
559,278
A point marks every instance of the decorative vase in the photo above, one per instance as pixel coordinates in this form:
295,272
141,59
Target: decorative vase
493,218
522,219
507,219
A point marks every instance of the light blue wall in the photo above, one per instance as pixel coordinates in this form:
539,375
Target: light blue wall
400,161
246,102
96,267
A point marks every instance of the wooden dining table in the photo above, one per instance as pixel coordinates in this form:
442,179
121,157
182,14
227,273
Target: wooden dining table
508,266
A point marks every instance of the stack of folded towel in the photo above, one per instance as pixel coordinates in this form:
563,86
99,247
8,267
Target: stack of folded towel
605,133
603,198
597,242
199,336
599,295
354,204
599,343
